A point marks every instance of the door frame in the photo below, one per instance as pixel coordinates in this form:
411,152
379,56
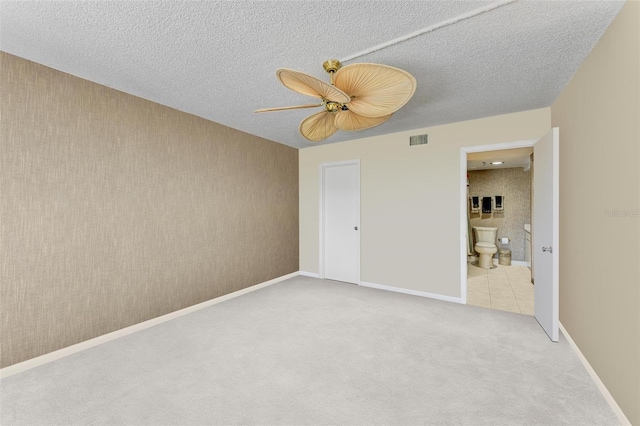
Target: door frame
322,168
464,242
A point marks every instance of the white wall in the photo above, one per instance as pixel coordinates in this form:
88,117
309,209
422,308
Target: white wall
410,199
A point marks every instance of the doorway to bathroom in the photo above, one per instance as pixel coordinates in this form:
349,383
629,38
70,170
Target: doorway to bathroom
499,188
544,229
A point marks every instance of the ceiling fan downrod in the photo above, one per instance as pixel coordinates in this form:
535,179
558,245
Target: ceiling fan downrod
331,66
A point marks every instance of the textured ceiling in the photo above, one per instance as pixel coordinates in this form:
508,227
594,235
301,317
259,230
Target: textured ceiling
217,59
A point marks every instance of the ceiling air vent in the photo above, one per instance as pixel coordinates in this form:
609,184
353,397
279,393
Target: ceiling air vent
418,140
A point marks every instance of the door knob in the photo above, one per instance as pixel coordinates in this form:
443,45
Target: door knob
549,249
356,228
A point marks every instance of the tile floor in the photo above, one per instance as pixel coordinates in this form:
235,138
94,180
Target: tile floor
506,288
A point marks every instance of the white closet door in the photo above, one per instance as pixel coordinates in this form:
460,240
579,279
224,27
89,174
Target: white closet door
341,221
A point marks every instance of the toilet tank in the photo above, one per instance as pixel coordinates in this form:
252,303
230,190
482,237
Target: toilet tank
485,234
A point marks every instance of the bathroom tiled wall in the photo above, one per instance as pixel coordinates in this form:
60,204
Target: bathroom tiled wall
514,185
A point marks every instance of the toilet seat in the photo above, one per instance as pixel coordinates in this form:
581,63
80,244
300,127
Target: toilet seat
485,245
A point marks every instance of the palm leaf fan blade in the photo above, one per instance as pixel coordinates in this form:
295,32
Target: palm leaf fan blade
287,108
376,90
311,86
349,121
318,126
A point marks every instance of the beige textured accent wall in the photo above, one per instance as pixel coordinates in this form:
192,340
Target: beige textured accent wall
115,210
513,184
410,199
598,116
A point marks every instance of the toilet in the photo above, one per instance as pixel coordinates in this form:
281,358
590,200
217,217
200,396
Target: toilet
485,245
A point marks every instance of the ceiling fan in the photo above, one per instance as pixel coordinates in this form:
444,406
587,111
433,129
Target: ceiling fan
359,97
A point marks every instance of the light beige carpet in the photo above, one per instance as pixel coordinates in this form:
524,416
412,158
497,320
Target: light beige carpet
308,351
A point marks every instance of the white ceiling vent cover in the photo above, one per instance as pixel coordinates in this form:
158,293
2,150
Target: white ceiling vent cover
418,140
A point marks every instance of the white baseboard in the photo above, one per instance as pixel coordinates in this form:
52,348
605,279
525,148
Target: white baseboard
594,376
309,274
69,350
412,292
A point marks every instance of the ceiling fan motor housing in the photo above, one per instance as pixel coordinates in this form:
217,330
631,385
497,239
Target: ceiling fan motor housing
333,107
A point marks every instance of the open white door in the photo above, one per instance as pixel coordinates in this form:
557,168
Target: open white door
545,233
